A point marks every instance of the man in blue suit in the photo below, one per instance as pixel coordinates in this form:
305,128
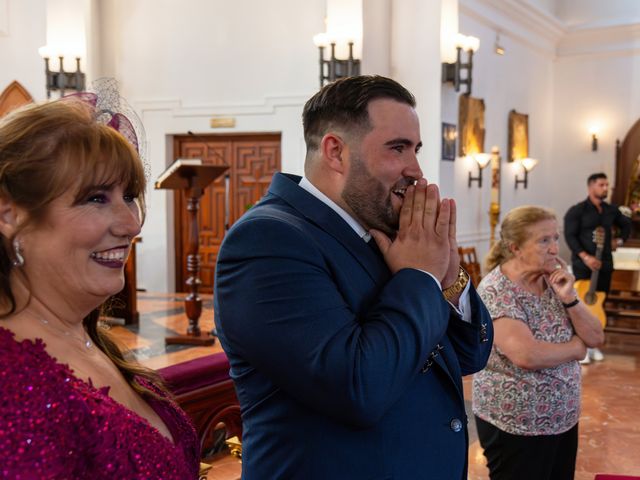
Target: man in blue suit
347,351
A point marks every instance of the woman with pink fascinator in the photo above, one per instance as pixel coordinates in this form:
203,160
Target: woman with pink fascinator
71,201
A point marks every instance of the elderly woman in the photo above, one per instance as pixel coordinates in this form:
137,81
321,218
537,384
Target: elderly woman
71,202
527,400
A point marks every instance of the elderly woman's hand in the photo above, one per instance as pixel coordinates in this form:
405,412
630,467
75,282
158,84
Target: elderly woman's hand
562,282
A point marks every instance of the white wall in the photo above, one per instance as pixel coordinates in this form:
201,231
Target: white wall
376,41
597,13
596,84
565,80
251,60
22,32
521,79
255,61
415,62
215,51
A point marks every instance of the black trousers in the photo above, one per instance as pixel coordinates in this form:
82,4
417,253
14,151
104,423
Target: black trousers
519,457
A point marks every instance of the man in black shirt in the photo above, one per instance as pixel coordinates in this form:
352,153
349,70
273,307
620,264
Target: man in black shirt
579,224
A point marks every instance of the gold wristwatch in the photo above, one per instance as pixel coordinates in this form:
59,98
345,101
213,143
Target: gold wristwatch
457,286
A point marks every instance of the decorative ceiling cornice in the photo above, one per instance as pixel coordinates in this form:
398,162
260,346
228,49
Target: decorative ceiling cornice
614,40
514,16
544,33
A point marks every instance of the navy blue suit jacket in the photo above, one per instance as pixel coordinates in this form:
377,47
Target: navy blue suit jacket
342,369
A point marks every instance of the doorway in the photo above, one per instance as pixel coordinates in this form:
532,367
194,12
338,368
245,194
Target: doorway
252,161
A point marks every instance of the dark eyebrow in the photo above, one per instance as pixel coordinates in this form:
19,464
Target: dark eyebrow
402,141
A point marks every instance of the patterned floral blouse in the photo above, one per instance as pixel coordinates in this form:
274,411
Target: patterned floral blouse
519,401
54,425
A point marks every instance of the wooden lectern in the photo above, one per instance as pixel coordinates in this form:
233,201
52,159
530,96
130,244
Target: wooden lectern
191,176
125,304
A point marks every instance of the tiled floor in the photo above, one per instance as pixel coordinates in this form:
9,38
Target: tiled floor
610,421
609,425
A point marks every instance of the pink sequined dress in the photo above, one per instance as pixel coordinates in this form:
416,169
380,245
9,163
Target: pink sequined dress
56,426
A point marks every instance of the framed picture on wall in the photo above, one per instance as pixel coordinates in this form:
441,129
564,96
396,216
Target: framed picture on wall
518,136
449,135
471,122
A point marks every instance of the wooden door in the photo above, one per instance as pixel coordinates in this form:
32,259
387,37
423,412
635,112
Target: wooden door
252,161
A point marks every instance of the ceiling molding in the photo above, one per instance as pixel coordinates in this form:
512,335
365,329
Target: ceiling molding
594,55
508,18
615,40
268,106
544,33
514,15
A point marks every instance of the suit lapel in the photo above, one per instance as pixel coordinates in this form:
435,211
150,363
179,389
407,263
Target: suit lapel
286,187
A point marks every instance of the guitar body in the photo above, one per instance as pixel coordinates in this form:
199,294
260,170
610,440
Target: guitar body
593,300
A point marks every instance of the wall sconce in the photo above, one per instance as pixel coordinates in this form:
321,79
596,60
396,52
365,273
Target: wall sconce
528,164
333,68
594,138
62,80
482,160
451,71
497,46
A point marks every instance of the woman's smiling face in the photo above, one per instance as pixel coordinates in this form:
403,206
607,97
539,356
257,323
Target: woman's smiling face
80,248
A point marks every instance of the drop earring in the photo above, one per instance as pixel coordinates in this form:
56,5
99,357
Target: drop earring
18,260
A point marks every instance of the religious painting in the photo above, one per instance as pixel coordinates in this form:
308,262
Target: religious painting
518,136
449,135
471,121
632,197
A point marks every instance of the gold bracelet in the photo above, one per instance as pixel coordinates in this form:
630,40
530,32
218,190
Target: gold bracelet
457,286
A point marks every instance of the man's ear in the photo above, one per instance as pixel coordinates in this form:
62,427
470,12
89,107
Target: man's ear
8,217
334,150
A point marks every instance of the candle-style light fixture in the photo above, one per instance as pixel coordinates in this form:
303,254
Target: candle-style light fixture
528,164
62,80
498,48
594,130
494,207
334,68
482,160
451,72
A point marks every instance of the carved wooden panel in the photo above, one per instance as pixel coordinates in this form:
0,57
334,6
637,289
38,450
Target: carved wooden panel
252,161
15,95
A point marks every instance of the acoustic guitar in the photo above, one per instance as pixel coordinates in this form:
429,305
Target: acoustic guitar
587,288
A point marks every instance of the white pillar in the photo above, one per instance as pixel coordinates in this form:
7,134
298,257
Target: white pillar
415,62
376,37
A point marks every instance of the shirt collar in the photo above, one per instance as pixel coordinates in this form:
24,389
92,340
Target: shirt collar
311,188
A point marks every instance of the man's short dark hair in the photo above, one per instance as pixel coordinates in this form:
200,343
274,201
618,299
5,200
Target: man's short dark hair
595,176
343,104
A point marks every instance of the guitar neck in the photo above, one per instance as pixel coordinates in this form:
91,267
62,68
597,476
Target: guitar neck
593,282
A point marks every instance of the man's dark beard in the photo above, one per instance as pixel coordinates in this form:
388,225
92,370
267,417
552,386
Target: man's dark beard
369,200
